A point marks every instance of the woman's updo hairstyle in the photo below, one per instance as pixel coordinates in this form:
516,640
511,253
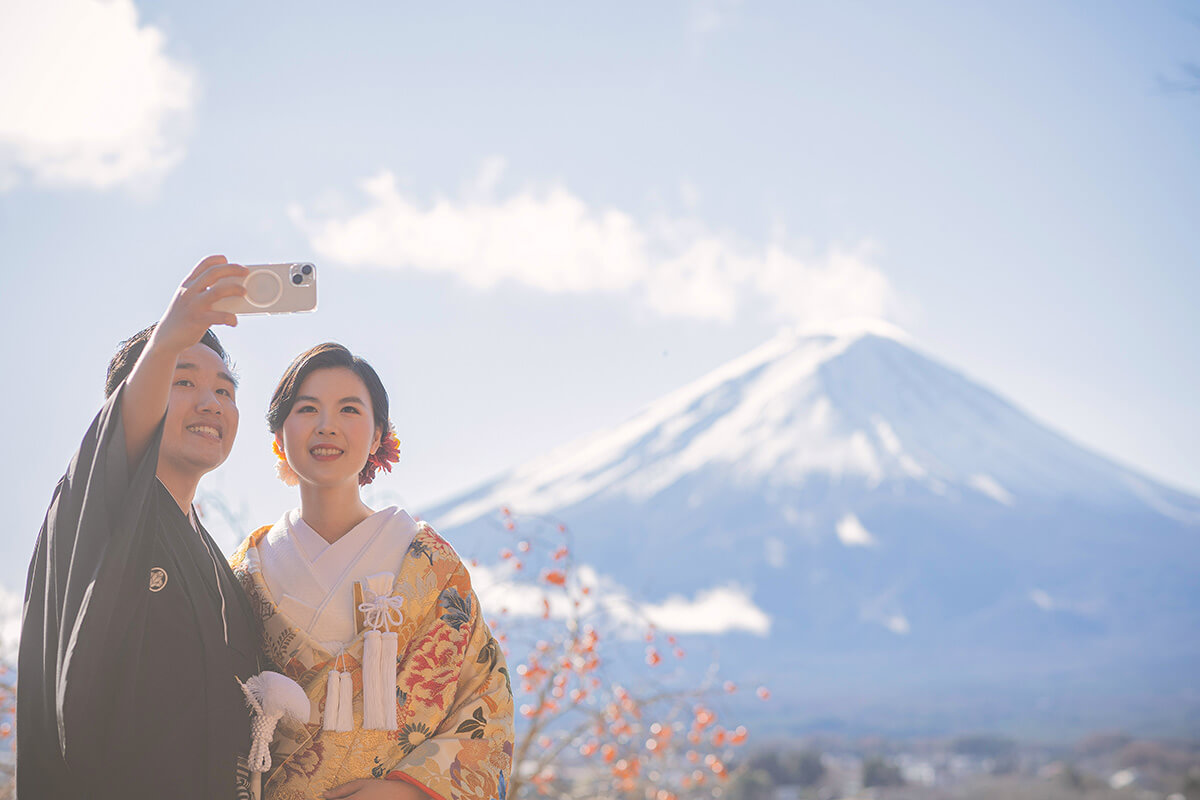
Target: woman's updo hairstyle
327,356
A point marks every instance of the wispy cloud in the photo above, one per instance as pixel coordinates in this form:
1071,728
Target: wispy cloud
720,609
548,238
89,97
1187,81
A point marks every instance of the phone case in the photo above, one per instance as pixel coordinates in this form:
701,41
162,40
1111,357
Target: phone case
275,289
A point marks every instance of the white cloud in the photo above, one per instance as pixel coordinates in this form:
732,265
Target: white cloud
991,487
89,97
1042,599
549,239
852,533
717,610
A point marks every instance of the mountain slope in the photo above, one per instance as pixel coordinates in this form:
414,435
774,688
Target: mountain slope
900,525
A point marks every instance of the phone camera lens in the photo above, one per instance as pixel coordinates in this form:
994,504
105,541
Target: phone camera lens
306,269
297,279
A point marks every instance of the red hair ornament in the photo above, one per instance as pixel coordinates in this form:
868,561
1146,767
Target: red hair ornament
385,455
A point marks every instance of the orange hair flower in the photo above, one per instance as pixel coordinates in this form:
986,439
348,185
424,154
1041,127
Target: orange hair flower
282,468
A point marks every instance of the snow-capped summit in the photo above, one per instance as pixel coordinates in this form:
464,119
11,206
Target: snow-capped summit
883,512
856,403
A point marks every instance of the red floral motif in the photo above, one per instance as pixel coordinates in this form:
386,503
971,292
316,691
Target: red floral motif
307,762
385,455
431,672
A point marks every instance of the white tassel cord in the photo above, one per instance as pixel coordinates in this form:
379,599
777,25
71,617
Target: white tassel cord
272,696
388,667
261,730
372,652
381,648
345,717
332,696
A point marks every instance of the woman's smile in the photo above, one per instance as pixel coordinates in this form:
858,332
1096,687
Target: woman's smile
325,452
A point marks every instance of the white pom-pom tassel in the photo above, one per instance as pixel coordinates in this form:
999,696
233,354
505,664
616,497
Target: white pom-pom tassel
345,718
333,692
372,652
272,696
388,667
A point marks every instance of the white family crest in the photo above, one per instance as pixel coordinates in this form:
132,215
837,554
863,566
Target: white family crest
158,579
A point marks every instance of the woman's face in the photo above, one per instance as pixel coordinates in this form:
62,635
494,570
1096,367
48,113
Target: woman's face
331,430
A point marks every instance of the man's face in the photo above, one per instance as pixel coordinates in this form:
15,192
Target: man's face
202,415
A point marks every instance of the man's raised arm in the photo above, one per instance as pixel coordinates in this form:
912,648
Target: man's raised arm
188,316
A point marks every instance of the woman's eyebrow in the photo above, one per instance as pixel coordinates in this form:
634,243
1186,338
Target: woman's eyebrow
309,399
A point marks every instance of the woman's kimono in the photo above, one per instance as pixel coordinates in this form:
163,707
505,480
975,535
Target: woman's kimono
454,736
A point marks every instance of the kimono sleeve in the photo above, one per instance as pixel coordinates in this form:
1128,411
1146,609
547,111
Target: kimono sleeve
469,756
78,589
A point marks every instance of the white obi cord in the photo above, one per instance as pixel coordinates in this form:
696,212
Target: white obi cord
381,650
339,698
381,646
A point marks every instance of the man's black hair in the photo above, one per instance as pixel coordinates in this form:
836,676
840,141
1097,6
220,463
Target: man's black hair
131,349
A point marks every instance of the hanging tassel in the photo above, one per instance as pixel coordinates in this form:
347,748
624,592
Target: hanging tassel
372,685
388,667
381,645
333,694
345,717
271,697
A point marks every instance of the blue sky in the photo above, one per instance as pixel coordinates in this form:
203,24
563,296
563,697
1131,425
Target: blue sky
536,219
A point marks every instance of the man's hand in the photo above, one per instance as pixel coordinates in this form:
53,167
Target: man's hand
376,790
189,314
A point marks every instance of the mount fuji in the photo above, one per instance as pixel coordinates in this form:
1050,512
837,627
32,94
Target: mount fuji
913,549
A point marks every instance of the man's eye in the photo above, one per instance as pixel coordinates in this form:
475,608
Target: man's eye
183,382
225,392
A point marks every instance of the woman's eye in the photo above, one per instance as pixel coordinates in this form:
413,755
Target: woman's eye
351,409
182,382
304,409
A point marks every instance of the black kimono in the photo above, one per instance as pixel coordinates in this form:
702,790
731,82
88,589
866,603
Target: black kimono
133,631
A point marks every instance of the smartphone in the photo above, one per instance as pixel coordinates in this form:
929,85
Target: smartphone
275,289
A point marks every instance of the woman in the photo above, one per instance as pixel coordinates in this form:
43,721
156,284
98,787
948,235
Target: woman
371,612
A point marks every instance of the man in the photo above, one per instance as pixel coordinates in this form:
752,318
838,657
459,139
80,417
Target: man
134,626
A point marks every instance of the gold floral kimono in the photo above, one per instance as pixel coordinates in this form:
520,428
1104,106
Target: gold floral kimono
453,692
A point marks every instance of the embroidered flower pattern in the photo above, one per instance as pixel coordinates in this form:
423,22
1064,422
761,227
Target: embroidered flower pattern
489,654
419,548
474,726
458,608
412,735
450,641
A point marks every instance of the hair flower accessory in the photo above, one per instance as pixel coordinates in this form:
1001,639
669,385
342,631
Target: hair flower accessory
283,469
385,455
